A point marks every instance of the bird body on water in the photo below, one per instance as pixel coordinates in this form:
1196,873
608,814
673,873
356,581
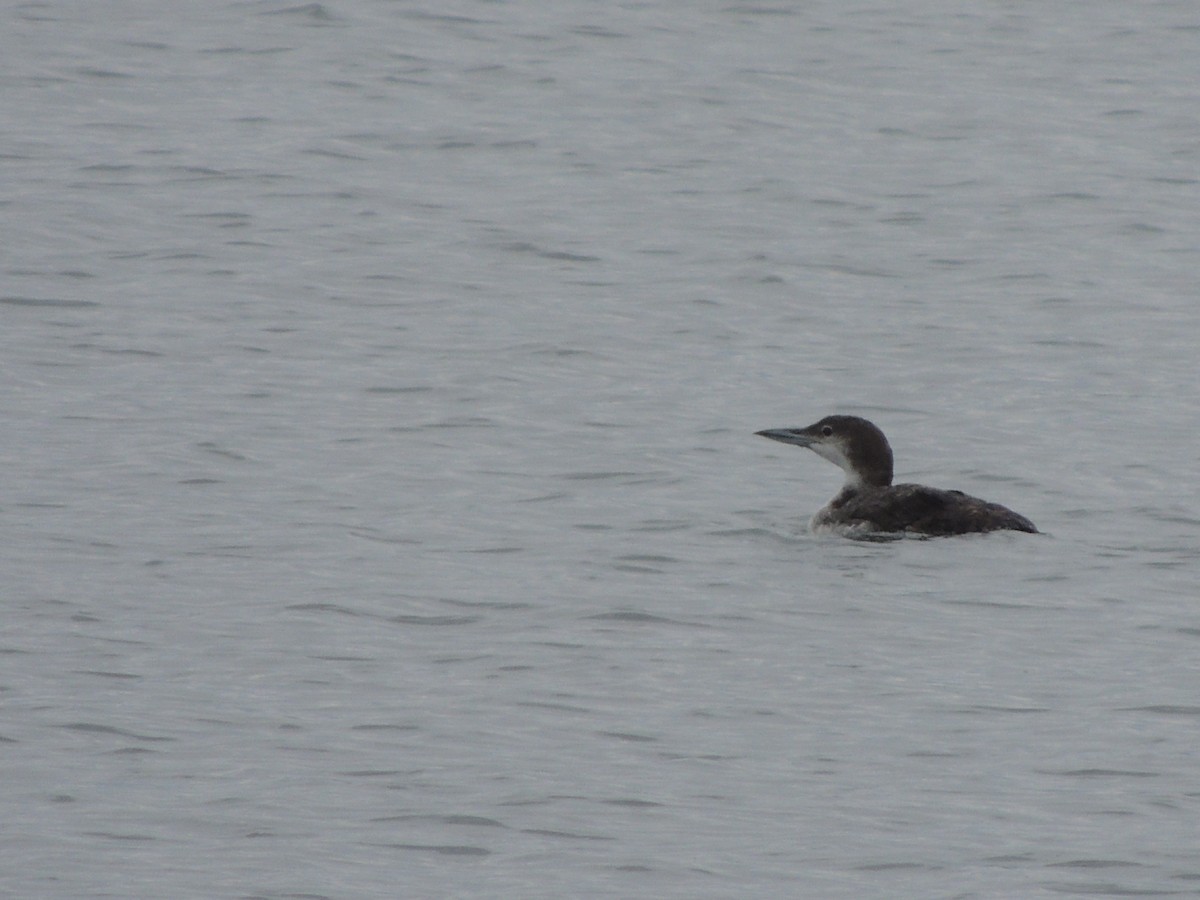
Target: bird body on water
870,505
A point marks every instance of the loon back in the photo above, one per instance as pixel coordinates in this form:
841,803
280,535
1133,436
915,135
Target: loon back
917,509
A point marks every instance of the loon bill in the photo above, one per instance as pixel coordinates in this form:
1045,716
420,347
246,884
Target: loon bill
869,503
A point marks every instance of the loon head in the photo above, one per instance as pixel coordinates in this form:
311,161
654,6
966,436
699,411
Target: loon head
854,444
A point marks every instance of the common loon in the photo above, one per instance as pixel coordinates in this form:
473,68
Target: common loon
869,504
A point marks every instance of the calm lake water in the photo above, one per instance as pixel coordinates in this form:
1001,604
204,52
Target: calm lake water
382,515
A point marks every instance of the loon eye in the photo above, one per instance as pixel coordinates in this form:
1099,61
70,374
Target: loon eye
827,431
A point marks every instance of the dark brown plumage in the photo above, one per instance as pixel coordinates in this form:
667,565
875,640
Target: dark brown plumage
869,503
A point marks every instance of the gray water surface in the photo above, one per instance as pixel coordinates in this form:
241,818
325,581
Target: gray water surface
382,514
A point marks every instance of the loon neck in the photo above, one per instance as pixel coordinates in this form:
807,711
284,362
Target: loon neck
855,487
867,473
863,453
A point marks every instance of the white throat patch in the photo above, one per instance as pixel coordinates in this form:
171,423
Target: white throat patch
833,453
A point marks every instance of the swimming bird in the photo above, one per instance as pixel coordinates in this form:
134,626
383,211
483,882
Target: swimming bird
869,505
